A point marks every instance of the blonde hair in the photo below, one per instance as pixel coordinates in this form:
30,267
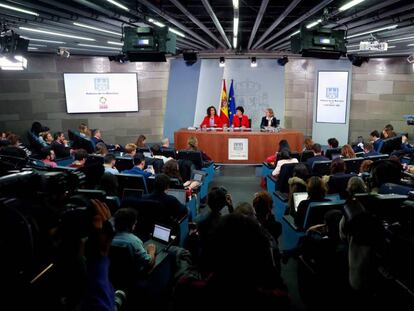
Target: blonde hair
308,143
270,110
192,143
83,128
129,148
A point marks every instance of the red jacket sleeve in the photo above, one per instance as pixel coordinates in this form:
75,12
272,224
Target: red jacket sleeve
245,121
205,122
218,121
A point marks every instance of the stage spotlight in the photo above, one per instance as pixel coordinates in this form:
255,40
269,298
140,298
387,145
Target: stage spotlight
253,62
357,60
283,61
222,62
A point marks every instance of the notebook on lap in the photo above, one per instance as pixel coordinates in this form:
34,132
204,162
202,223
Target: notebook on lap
299,197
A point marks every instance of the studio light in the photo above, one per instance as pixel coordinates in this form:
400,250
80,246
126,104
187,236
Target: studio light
156,23
119,5
253,62
176,32
313,24
283,61
349,5
222,62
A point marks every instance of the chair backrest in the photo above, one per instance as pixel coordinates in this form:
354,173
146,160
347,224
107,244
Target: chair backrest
80,142
124,163
317,210
94,159
286,172
353,165
168,152
321,168
123,269
193,156
130,181
378,157
143,149
331,151
307,154
391,144
338,183
389,188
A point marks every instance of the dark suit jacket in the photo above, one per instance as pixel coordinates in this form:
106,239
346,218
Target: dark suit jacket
60,150
264,123
175,209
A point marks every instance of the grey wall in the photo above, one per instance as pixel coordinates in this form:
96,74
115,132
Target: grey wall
38,94
182,96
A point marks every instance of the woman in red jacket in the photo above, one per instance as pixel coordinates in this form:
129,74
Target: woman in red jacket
239,119
211,119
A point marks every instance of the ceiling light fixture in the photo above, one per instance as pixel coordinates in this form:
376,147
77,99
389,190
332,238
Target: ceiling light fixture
400,39
157,23
119,5
176,32
253,62
349,5
294,33
56,34
222,62
313,24
43,40
115,43
39,45
234,42
10,7
372,31
235,26
97,29
99,46
16,63
236,4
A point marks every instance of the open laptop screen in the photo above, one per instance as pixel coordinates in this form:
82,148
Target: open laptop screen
180,194
299,197
161,233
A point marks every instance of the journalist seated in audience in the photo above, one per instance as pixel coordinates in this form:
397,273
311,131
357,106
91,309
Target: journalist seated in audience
100,149
365,167
297,183
316,189
38,128
155,149
333,143
283,145
369,150
283,158
109,184
80,158
165,143
14,141
192,144
125,220
175,209
138,169
405,146
347,152
84,130
219,202
374,137
337,168
317,156
130,150
97,138
109,164
388,131
47,138
48,156
308,144
60,146
245,209
141,141
242,273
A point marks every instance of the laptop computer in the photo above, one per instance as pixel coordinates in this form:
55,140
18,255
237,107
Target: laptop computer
198,176
299,197
180,194
132,194
161,238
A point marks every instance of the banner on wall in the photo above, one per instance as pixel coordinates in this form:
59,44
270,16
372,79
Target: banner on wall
331,99
238,148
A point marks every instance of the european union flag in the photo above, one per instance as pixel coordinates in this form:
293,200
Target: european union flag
232,103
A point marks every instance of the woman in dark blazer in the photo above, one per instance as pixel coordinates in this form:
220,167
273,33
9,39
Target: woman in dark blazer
269,120
239,119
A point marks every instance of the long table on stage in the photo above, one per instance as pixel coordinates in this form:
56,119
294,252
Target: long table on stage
215,143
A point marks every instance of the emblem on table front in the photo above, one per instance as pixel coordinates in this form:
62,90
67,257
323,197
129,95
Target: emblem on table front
332,92
101,84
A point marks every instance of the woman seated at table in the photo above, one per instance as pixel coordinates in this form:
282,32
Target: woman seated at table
240,120
211,119
269,120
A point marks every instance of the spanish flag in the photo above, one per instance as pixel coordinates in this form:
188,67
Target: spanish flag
224,109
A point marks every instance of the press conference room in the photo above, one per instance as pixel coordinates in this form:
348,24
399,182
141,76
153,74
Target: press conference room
212,154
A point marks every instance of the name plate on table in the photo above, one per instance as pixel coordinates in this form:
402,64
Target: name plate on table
238,148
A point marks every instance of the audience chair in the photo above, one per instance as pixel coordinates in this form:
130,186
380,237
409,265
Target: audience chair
332,151
129,181
321,168
307,154
124,163
353,165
